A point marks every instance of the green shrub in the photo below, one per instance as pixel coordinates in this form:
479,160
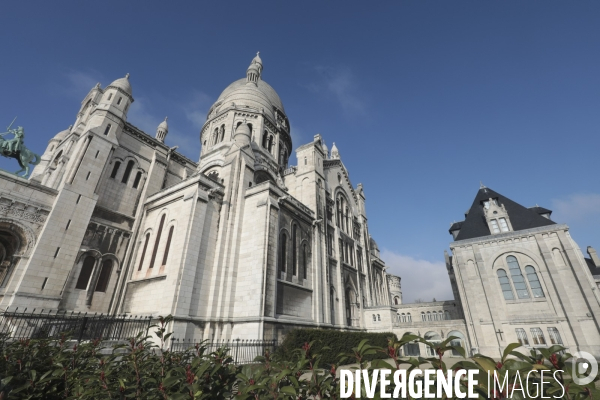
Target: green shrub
57,369
335,342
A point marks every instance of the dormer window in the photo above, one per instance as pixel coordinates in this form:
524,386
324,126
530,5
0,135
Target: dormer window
494,225
503,225
486,203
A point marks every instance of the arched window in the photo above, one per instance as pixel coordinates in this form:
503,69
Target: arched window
534,282
433,338
396,300
378,317
304,160
104,277
157,241
265,139
408,318
86,273
305,261
374,318
434,316
428,316
282,251
127,171
270,145
109,96
294,249
215,136
119,101
222,133
423,316
136,181
505,285
459,341
517,278
168,246
113,174
144,251
107,129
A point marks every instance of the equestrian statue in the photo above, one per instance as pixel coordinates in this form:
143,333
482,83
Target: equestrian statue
15,148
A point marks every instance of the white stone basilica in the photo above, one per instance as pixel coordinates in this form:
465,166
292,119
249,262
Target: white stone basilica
242,245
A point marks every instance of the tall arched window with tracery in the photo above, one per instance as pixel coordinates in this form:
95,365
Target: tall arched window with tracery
534,282
505,285
265,139
517,277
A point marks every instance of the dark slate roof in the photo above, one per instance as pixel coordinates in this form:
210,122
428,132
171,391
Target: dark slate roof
456,226
521,218
593,269
540,210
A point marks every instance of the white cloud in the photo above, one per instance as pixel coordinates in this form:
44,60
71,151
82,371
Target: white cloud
421,279
197,108
576,207
79,83
140,117
342,85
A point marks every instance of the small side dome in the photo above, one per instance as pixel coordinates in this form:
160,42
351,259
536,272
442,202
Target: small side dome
123,84
60,136
242,134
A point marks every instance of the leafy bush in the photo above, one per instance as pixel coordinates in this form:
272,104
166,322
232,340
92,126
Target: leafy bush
329,343
51,369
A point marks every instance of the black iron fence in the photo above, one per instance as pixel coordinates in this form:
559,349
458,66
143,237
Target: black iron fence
79,326
242,351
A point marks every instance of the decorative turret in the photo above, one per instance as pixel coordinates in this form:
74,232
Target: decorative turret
117,97
335,154
242,134
254,70
162,130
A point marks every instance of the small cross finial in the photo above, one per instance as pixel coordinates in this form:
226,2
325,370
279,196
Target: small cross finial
481,185
166,118
258,52
127,75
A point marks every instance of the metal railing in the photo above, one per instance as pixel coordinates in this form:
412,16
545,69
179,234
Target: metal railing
242,351
79,326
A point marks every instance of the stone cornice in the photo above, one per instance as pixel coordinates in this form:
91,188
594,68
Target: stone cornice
510,235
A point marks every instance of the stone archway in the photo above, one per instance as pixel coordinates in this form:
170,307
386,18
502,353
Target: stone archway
15,242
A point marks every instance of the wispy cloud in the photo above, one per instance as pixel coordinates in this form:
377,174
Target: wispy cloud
577,207
79,83
342,85
197,108
421,279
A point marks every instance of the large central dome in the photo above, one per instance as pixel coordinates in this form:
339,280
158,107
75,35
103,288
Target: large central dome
257,95
251,92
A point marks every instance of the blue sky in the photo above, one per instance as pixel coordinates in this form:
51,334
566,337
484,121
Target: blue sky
424,99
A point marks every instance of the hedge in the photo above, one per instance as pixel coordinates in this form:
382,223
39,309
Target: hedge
337,341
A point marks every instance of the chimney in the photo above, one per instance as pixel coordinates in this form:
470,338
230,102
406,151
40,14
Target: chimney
593,256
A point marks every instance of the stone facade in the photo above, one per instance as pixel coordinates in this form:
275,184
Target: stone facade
242,245
237,245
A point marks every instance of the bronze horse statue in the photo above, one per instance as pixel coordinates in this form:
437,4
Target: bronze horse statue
15,148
